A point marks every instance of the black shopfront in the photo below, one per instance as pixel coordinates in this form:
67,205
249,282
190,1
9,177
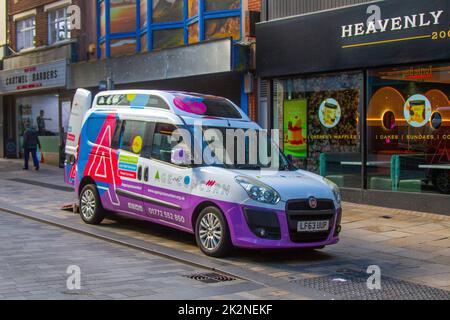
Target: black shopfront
361,96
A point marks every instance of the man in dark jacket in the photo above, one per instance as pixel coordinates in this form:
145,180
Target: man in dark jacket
30,144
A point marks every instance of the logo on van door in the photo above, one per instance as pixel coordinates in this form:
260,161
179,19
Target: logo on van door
102,161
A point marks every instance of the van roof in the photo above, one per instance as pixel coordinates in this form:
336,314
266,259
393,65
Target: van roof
185,104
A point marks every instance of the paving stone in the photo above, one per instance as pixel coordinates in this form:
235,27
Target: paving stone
410,245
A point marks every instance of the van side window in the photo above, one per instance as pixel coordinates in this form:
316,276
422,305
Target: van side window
162,142
133,136
116,141
157,102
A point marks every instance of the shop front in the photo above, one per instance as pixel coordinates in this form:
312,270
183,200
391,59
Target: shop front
33,97
361,95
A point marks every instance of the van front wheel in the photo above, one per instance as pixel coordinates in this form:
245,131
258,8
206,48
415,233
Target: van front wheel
91,209
212,233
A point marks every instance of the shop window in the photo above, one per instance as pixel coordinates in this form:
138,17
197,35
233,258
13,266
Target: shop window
223,28
122,47
193,33
415,155
144,42
436,120
123,16
143,10
389,120
214,5
193,8
58,25
42,113
168,38
320,127
26,32
103,51
103,18
167,11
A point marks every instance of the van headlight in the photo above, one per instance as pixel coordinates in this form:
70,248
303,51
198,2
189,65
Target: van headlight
259,191
336,191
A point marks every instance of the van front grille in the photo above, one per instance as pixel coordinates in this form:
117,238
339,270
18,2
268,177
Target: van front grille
299,210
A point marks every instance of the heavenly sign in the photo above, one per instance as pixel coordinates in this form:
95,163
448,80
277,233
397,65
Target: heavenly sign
419,20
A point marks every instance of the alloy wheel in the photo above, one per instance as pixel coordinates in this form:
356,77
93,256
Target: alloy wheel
88,204
210,232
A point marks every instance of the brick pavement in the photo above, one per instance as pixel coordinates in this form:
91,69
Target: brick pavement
410,246
35,258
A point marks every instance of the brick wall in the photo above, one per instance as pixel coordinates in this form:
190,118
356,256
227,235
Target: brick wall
85,36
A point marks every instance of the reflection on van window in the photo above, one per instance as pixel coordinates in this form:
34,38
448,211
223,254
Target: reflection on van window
133,100
208,106
163,143
133,136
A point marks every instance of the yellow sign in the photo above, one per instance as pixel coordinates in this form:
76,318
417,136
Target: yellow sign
136,147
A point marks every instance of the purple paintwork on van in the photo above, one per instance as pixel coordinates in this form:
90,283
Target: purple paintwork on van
241,235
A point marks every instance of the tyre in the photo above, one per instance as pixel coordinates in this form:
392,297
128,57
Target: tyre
91,209
212,233
441,181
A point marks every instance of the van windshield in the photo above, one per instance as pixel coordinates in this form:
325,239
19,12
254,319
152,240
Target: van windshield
242,149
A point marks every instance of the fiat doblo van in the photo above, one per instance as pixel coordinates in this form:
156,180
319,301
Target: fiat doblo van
130,152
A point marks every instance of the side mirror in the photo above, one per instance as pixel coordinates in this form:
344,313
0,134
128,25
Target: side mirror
181,157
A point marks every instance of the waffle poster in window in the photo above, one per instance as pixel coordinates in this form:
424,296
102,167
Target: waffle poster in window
295,128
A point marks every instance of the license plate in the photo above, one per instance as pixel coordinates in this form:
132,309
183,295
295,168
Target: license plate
313,226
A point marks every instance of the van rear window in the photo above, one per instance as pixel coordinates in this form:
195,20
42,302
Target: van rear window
207,106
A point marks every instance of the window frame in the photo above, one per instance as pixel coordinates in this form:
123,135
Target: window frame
146,137
146,30
55,21
22,29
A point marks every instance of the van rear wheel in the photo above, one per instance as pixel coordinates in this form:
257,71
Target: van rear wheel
212,233
91,209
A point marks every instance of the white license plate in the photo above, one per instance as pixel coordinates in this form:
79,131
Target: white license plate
313,226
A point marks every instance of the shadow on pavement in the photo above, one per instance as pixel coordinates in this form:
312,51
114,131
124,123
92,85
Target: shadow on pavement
187,240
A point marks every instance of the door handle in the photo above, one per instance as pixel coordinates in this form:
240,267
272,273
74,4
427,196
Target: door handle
146,174
140,173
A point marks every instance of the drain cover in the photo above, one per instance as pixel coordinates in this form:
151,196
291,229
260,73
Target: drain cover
355,288
210,277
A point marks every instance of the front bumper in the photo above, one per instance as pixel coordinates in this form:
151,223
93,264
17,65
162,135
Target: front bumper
254,233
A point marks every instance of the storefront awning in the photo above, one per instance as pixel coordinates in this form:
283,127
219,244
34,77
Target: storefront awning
364,36
35,77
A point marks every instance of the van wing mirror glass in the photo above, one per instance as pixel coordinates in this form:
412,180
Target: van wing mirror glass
181,156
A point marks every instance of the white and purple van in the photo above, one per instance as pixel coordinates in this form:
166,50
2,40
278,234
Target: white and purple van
124,156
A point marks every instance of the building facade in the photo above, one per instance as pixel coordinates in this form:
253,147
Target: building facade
189,45
44,37
2,54
361,95
204,46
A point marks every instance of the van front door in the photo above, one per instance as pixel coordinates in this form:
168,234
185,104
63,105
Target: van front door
167,188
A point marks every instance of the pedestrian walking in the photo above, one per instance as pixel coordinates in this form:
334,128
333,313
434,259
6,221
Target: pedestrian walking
30,144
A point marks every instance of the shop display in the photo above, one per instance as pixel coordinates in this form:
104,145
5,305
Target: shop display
296,128
417,110
330,113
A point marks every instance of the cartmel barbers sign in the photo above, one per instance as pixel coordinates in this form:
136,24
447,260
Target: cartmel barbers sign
38,77
378,34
